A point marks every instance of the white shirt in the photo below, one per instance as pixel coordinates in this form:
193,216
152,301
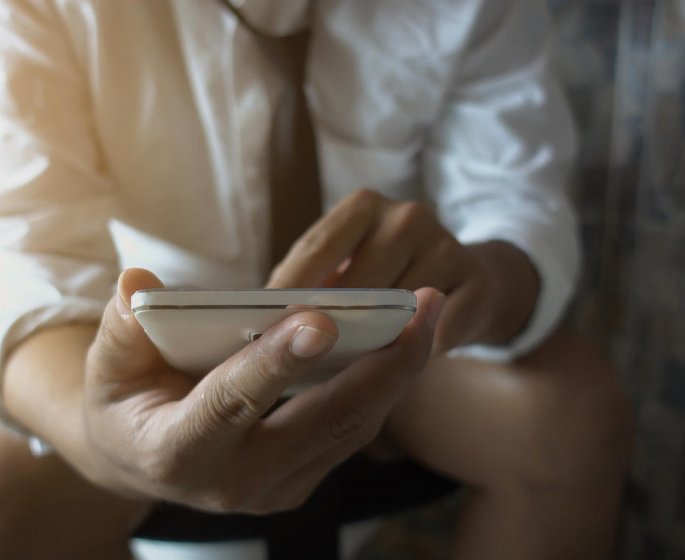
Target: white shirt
134,134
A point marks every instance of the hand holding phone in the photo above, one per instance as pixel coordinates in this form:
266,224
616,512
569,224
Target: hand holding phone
148,430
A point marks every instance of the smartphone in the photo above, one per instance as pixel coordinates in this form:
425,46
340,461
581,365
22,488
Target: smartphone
197,330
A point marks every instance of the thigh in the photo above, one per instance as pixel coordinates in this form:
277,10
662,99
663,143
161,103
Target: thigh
550,415
48,511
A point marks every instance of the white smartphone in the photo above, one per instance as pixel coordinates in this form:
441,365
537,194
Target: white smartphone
197,330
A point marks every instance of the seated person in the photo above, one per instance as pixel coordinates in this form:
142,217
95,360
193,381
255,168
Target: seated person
137,135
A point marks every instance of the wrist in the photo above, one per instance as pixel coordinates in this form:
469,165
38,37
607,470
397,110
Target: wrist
514,289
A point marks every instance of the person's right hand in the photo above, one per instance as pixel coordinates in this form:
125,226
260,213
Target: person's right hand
159,434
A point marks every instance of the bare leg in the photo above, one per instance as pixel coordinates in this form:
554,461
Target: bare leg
543,445
48,511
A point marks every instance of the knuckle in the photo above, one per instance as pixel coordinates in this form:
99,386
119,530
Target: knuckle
407,217
236,404
408,213
312,243
349,423
237,401
365,199
229,406
269,366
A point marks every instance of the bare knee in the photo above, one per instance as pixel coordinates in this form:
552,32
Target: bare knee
556,419
48,511
578,423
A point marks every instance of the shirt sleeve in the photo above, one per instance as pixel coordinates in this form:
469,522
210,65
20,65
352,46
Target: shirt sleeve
57,260
499,155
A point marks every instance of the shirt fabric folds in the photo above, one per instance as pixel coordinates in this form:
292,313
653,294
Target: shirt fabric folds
136,134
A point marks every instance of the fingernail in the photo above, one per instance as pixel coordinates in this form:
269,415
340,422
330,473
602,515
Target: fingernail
308,342
434,309
122,305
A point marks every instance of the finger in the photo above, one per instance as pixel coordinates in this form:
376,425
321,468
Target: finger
331,240
242,389
329,422
403,233
332,280
465,317
444,266
121,348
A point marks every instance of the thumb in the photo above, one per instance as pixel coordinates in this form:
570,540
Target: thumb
121,346
242,389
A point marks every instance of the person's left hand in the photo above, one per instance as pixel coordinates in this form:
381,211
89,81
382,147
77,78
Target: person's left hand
370,241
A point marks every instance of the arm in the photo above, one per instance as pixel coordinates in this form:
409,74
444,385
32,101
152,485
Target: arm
497,233
58,262
498,159
102,396
131,424
371,241
43,382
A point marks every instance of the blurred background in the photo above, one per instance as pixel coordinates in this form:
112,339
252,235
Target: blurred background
623,65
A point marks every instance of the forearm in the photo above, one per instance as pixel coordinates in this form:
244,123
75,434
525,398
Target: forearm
43,385
515,289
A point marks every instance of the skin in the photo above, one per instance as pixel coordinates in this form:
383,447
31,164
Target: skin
543,443
370,241
132,426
